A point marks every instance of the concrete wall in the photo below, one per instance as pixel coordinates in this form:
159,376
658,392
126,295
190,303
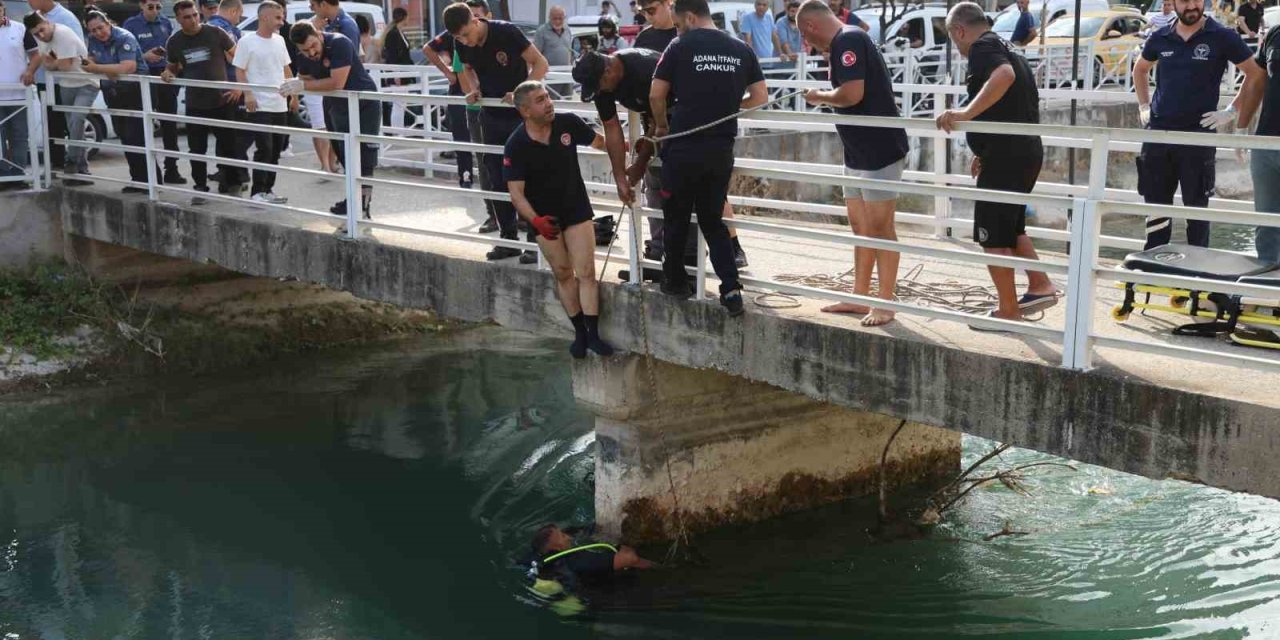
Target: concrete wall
1120,422
30,230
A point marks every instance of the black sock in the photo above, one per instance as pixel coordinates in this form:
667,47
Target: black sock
580,336
593,337
736,245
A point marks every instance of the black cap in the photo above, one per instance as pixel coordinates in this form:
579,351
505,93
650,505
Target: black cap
587,72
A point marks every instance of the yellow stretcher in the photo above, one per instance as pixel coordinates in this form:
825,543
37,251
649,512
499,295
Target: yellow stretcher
1244,320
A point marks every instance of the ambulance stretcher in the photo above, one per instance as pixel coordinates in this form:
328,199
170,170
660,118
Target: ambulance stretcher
1245,320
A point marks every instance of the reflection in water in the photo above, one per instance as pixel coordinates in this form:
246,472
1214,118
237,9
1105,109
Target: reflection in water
389,493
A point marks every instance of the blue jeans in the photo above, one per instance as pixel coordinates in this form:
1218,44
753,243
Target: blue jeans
1265,168
82,96
13,141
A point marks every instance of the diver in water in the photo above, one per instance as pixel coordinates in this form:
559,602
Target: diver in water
560,566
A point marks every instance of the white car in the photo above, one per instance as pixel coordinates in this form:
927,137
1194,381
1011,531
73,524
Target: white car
295,11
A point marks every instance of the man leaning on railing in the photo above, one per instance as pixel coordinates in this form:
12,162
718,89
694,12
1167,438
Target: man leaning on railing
13,108
114,52
58,48
152,31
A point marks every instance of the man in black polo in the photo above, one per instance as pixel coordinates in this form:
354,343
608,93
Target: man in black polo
496,58
542,172
707,72
1002,88
1193,53
1249,20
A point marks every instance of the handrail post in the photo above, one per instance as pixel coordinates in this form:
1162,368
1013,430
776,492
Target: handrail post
33,150
941,204
700,290
351,160
801,65
909,78
149,138
636,243
50,101
1077,335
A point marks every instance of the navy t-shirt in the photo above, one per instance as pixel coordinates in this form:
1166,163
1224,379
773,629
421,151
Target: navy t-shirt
709,72
550,172
633,91
344,24
337,52
1023,29
1020,103
499,62
855,57
1269,59
1190,72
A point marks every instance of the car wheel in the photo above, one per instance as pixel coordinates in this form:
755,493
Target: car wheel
95,130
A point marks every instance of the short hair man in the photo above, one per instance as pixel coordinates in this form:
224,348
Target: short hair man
152,30
331,62
541,164
60,49
232,179
698,163
759,31
1001,88
789,37
14,135
1024,33
496,57
557,556
198,51
1249,20
208,9
556,44
262,58
57,14
440,52
861,86
1193,56
330,17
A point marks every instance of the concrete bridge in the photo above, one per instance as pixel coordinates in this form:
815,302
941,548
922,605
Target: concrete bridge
779,410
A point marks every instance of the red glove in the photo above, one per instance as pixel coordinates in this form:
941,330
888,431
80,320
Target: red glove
547,227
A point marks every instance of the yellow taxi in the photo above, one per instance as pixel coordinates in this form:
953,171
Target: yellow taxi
1114,34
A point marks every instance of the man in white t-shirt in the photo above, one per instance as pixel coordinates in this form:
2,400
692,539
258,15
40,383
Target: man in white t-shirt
262,58
58,48
13,116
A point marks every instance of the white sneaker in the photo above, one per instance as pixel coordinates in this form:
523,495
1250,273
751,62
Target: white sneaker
265,198
275,199
287,153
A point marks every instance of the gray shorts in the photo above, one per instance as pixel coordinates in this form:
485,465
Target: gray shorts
892,171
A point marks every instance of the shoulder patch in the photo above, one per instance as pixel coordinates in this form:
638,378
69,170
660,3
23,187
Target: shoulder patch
848,58
127,47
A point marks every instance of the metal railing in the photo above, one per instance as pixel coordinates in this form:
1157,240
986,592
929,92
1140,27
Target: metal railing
27,109
1082,270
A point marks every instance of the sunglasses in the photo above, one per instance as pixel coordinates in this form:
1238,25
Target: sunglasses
152,6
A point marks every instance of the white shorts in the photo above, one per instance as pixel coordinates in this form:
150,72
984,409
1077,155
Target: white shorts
893,171
315,109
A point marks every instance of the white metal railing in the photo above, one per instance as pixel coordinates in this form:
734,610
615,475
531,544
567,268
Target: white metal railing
20,112
1082,270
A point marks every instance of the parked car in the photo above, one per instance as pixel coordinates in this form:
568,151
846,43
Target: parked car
1008,19
1113,34
295,11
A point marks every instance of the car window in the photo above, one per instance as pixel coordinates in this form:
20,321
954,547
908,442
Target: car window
251,25
718,18
939,30
1065,28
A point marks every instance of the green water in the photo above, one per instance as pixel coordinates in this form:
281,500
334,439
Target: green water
388,493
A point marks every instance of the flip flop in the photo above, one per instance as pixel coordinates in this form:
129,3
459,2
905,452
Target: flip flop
985,329
1030,303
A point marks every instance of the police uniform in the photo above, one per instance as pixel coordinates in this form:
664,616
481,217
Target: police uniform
500,67
708,71
164,96
1190,74
121,46
442,44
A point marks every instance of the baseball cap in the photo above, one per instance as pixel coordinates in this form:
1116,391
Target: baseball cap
587,72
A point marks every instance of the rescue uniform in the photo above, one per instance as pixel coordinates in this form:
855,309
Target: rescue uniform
1190,74
550,172
708,71
500,67
456,114
869,152
337,52
119,47
164,96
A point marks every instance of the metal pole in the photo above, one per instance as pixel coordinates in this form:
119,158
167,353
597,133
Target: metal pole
946,78
33,149
700,291
149,138
1075,77
50,101
635,248
351,160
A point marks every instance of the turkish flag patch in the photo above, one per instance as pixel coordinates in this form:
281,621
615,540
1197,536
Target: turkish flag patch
506,162
848,59
565,139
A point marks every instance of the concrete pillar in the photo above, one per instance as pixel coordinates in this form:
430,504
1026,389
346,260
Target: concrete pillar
739,451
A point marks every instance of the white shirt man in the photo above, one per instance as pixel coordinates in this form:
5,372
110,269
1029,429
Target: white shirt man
13,57
262,58
13,117
65,45
59,48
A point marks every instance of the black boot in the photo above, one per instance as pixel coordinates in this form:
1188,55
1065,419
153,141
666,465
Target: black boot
594,342
579,347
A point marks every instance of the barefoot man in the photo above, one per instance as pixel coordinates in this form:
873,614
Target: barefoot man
540,163
860,86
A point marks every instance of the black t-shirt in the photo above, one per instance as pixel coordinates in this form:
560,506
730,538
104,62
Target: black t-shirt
1269,59
203,57
655,39
1021,103
709,72
1252,15
550,172
499,62
633,91
855,57
583,568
